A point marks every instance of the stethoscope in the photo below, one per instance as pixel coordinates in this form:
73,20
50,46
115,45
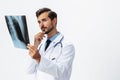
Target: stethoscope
60,42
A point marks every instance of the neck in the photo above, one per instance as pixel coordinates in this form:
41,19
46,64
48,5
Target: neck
52,33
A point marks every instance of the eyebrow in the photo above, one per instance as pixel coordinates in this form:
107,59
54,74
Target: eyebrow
44,19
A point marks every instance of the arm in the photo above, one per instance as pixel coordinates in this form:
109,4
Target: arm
31,65
34,53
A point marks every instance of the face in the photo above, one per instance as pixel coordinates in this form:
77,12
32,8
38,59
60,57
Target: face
45,23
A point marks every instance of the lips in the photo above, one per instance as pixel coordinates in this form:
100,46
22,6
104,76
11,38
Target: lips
43,29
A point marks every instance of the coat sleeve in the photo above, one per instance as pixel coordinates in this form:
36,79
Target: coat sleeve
62,65
31,66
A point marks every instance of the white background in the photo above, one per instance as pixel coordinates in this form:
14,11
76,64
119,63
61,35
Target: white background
92,25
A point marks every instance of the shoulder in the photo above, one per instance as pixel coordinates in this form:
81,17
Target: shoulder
65,42
68,48
68,44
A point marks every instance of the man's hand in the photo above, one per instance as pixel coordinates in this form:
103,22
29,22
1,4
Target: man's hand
34,53
38,38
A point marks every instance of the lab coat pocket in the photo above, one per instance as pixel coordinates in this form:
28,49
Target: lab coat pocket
56,53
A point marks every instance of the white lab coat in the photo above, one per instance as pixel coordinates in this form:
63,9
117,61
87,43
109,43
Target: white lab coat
56,61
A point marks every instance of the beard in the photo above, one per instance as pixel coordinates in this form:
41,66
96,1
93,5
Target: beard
49,30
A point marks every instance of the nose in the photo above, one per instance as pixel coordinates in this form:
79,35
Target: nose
41,24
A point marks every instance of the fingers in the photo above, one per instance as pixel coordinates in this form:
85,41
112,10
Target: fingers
33,51
39,36
31,48
42,33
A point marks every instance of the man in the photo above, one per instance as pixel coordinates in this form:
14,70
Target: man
55,61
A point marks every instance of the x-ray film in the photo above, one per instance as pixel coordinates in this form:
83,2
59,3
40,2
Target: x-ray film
17,27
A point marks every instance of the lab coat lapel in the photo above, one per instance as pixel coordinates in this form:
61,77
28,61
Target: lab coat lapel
42,47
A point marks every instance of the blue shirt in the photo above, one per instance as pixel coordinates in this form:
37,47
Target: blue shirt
53,37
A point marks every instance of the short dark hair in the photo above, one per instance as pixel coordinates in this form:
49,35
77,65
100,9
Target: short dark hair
51,14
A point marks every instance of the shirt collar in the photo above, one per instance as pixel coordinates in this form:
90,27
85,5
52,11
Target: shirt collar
53,37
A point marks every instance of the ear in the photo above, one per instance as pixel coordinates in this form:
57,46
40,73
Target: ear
54,21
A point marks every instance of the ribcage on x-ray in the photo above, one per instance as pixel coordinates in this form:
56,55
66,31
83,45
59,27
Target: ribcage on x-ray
17,27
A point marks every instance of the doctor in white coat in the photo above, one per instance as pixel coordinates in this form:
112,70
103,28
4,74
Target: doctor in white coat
54,62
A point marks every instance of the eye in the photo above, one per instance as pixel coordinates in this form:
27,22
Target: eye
39,22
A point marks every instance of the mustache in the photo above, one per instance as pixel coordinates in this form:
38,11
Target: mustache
43,27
